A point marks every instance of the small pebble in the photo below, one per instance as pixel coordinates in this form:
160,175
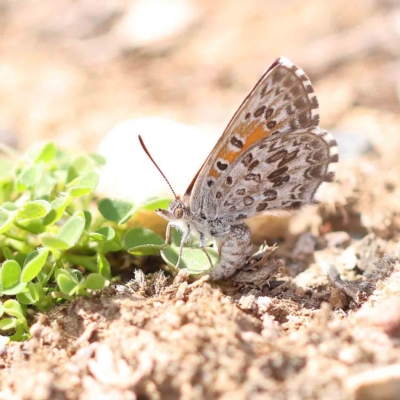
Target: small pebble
352,145
385,314
376,384
337,239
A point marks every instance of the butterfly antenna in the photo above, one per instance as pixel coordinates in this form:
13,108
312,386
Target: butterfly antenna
159,169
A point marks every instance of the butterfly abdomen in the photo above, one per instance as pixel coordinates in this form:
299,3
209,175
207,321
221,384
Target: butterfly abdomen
235,249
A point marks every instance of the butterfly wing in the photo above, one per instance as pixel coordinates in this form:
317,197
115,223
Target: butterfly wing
279,172
281,111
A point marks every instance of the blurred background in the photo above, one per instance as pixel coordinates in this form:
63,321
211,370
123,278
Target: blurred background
73,71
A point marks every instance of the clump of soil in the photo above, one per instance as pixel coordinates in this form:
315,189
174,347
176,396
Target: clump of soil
154,339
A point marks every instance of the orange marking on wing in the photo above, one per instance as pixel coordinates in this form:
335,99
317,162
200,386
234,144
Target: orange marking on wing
214,173
249,133
257,133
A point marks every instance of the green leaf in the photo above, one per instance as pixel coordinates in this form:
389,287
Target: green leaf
77,274
96,282
103,266
146,249
88,219
111,245
6,220
35,290
1,309
87,262
58,206
141,236
193,259
115,210
170,256
98,159
8,323
47,153
72,230
20,258
7,253
34,226
176,236
26,298
143,242
12,291
34,209
10,274
66,281
128,216
46,187
150,205
34,264
5,169
9,206
68,235
154,204
19,245
21,332
84,185
31,175
14,309
11,278
54,242
30,295
20,187
80,166
7,191
103,234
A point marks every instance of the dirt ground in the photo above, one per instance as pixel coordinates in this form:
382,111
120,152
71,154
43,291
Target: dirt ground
319,316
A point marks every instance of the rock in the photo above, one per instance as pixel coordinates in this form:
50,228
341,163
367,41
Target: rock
268,226
368,250
385,315
305,246
337,239
378,127
338,299
349,259
376,384
352,145
247,303
178,149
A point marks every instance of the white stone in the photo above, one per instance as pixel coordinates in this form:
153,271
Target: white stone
178,149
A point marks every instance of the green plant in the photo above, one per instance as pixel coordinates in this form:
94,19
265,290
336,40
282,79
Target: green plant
140,241
54,240
48,237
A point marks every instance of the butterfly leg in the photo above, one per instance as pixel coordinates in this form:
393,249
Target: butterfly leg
185,237
204,249
168,233
235,249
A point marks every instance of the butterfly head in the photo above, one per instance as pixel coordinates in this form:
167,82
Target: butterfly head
177,210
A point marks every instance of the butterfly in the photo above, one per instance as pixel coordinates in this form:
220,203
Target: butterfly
272,156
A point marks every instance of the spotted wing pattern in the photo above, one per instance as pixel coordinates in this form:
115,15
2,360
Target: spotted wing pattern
280,172
281,111
283,100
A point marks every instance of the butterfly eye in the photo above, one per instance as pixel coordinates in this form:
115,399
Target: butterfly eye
178,213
